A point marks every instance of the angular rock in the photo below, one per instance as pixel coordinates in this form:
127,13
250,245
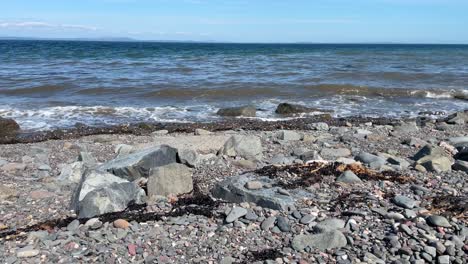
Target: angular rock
322,241
123,149
348,177
329,225
202,132
247,147
8,127
236,213
71,173
289,135
437,220
87,159
371,160
233,190
436,163
406,128
404,202
172,179
188,157
247,111
320,126
139,164
429,150
93,180
291,109
254,185
115,198
27,252
459,118
268,223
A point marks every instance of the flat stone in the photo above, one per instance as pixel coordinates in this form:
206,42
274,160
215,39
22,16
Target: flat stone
371,160
160,132
320,126
254,185
437,220
443,259
330,225
139,164
283,224
335,153
328,240
348,177
73,225
289,135
460,165
268,223
7,192
436,163
171,179
404,202
27,252
247,147
233,189
94,180
307,219
235,214
201,132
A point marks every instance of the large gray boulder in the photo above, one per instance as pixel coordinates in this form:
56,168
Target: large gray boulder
247,111
371,160
433,159
171,179
139,164
248,147
71,173
292,109
114,198
233,189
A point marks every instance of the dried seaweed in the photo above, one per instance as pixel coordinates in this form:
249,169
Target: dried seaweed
294,176
450,205
262,255
195,204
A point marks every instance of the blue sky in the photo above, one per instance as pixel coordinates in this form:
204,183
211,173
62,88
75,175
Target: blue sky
339,21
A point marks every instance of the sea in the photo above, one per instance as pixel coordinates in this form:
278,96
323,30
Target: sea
56,84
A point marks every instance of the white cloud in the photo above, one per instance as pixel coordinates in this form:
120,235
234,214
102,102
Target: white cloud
39,24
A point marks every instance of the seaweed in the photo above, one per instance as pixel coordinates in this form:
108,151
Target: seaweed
450,205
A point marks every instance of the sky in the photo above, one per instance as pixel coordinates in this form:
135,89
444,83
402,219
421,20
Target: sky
323,21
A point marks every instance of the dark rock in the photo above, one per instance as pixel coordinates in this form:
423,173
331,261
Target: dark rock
8,127
248,111
460,165
291,109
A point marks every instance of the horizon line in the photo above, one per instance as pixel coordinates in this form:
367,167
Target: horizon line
129,39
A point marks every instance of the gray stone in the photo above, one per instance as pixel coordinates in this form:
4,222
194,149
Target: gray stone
235,214
283,224
93,180
371,160
170,179
310,155
436,163
404,202
443,259
139,164
437,220
372,259
73,225
232,189
71,173
202,132
251,215
335,153
87,159
123,149
268,223
188,157
406,128
320,126
322,241
429,150
27,252
254,185
289,135
8,127
330,225
115,198
348,177
280,159
160,132
93,223
431,251
248,111
459,118
248,147
307,219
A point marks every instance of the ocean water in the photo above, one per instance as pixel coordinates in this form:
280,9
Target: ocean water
55,84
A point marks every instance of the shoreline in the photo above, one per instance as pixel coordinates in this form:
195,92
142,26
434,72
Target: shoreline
145,128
